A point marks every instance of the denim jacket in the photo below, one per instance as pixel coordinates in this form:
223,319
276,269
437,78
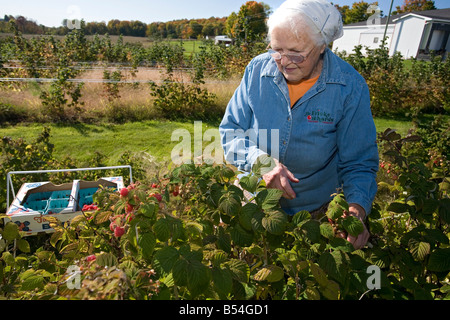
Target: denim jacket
327,140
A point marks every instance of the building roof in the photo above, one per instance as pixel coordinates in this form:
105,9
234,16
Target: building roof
440,14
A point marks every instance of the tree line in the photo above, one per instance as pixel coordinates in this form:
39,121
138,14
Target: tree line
248,24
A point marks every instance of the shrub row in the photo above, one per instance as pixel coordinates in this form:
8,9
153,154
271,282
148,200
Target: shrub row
396,87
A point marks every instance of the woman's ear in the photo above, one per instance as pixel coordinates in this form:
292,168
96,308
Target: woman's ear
322,50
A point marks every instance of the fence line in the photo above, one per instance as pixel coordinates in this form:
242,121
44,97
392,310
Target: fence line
99,80
44,80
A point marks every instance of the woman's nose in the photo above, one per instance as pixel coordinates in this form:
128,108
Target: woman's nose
285,60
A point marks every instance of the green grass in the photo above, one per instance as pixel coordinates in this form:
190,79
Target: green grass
81,141
400,125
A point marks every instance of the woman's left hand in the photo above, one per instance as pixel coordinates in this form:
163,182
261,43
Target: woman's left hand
361,239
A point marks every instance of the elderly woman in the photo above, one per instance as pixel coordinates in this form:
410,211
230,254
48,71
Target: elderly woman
309,110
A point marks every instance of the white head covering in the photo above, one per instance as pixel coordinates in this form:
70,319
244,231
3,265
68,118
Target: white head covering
322,13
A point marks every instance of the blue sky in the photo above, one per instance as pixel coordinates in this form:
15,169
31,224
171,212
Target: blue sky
52,12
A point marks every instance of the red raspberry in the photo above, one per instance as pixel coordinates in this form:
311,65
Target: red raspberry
157,196
129,208
119,231
124,192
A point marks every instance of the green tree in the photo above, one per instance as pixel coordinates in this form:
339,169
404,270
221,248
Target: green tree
358,12
230,24
249,24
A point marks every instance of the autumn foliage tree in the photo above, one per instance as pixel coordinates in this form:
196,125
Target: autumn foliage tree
415,5
248,24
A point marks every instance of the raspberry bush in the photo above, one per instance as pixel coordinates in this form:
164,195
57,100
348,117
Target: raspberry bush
192,234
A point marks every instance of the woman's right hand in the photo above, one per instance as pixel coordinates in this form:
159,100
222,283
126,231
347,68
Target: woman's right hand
279,178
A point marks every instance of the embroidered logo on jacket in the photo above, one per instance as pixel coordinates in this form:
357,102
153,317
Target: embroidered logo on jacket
319,116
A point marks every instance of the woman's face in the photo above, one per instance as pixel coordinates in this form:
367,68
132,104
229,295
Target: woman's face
285,42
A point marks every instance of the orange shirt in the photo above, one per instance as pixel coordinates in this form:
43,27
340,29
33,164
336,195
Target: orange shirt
297,90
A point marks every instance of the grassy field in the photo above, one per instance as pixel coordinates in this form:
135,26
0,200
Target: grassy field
190,46
81,141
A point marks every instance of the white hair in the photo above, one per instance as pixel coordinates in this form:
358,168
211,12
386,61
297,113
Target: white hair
297,22
318,18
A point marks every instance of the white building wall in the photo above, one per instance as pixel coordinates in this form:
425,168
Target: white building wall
349,39
407,35
363,35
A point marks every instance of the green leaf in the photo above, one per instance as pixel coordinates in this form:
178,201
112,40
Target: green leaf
312,293
334,265
319,274
218,258
256,221
165,258
270,273
239,269
11,231
249,183
8,258
341,201
229,204
326,230
179,272
192,274
222,281
32,282
23,245
162,229
331,290
311,230
240,236
56,236
353,225
147,243
274,222
246,215
418,249
198,277
398,207
269,198
223,240
148,209
391,135
430,206
440,260
300,217
106,259
334,211
102,216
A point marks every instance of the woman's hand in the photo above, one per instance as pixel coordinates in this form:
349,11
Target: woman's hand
279,178
361,239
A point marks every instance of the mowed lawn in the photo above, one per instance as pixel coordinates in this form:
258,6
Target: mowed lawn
81,141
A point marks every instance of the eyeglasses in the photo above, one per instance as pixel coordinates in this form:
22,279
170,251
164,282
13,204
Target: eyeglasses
293,57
